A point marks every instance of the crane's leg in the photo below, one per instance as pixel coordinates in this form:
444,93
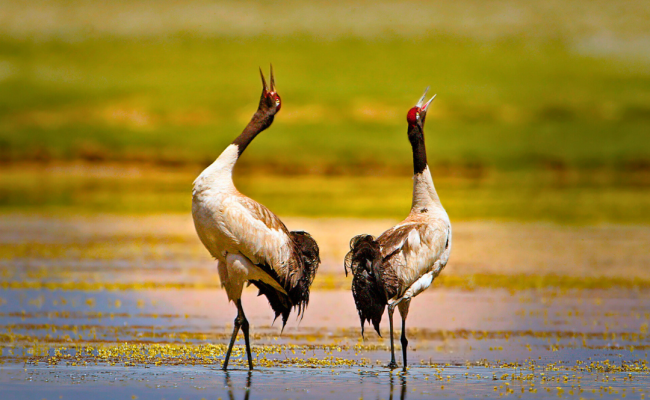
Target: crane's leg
244,328
235,331
233,275
393,364
233,291
404,341
403,311
240,322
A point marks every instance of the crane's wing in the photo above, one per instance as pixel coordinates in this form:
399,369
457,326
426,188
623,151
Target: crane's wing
416,248
260,235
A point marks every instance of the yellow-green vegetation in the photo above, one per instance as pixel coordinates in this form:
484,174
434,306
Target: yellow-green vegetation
324,281
563,196
305,356
540,115
522,88
185,354
75,335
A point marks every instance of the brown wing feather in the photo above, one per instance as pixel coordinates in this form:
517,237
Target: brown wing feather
298,269
395,238
263,214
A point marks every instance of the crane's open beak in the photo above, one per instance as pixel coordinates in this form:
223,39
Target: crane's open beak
425,107
424,95
422,105
265,88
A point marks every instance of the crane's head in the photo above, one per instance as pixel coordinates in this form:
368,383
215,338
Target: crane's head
417,114
270,101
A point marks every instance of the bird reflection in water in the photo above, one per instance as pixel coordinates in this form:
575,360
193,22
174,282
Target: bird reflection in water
403,384
231,394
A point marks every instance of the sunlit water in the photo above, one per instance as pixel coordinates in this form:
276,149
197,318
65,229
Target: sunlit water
170,344
87,324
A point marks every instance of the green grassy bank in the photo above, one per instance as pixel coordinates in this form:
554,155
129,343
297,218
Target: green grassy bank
508,104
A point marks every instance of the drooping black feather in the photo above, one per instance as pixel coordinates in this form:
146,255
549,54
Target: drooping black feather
309,254
279,302
364,261
307,260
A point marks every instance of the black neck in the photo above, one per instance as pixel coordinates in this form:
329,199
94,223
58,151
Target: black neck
258,123
416,137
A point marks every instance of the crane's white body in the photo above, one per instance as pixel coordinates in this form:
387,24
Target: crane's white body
418,247
239,232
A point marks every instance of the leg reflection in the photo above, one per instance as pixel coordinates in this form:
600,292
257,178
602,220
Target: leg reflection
248,385
231,393
392,387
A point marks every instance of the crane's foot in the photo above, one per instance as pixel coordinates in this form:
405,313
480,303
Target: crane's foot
392,365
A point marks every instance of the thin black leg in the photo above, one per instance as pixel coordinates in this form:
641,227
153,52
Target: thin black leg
392,364
235,331
245,329
405,342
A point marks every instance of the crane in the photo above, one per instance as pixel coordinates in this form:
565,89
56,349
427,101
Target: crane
390,270
249,242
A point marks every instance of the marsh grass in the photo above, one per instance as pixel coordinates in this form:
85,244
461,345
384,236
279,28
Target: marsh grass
542,110
516,91
571,197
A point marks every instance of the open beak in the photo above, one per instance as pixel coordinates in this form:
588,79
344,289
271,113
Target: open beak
272,80
426,105
265,88
424,95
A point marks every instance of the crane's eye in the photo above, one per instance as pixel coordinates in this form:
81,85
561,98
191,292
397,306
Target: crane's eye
413,115
276,99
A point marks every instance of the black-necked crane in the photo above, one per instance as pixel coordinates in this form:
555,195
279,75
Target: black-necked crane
403,261
249,242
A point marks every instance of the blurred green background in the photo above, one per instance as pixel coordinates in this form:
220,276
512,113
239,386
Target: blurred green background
543,108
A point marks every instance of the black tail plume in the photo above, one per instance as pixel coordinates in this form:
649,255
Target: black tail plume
364,261
280,303
307,256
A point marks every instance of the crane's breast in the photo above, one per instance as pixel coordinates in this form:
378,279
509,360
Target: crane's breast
210,224
421,245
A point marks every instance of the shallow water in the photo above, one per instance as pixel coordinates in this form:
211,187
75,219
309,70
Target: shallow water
170,344
89,322
269,383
